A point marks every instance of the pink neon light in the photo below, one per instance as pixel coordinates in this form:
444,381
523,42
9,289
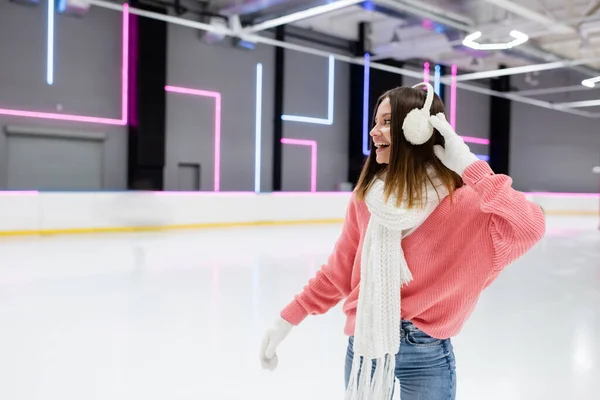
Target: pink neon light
313,159
426,72
453,97
205,194
469,139
133,66
125,66
252,193
247,194
217,97
193,92
83,118
323,194
427,24
565,195
62,117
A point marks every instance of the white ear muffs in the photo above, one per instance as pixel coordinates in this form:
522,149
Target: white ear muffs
416,126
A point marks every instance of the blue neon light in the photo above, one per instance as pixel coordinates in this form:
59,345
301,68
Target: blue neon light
50,44
258,128
330,93
366,83
436,79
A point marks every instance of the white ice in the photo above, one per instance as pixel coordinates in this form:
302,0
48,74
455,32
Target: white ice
180,315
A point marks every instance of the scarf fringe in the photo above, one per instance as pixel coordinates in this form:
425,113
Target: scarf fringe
379,385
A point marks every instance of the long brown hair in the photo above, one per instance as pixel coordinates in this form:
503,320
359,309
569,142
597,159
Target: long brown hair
406,174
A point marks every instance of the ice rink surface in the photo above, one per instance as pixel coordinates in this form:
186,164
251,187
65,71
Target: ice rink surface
180,315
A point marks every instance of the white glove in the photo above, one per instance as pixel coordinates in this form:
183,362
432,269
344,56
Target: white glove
271,340
455,154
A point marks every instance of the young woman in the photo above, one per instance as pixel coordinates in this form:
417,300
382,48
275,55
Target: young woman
428,228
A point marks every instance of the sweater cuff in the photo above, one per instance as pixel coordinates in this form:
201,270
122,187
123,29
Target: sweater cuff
476,172
294,313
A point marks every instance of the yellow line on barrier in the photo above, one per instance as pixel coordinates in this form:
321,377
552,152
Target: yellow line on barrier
573,213
214,225
131,229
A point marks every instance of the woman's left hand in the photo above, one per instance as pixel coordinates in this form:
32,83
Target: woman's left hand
455,154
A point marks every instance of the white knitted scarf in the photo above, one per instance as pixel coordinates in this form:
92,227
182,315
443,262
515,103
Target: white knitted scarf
383,272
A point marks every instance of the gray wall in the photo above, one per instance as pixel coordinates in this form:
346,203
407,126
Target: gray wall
306,94
552,150
190,119
472,117
86,80
232,72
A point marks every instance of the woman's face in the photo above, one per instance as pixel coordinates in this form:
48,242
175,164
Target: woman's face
381,132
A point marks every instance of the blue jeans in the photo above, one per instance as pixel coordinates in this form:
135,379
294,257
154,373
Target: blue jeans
425,366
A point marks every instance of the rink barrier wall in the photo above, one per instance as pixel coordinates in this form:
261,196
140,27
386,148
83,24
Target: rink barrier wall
55,213
48,213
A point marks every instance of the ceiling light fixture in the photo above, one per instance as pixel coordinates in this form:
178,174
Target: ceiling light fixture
470,41
590,82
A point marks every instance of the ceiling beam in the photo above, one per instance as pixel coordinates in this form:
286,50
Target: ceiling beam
300,15
552,90
525,100
524,69
578,104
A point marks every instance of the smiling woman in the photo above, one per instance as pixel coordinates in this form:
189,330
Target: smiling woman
400,163
381,136
412,259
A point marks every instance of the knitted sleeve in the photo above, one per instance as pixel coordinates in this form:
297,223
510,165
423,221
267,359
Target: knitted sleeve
332,283
515,223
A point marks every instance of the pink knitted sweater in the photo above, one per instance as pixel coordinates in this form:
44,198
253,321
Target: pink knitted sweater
453,256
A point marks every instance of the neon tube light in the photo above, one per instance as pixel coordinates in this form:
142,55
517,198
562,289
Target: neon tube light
125,66
330,93
483,157
84,118
467,139
50,44
565,195
217,97
366,117
476,140
297,16
426,72
258,128
453,97
62,117
313,158
436,79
